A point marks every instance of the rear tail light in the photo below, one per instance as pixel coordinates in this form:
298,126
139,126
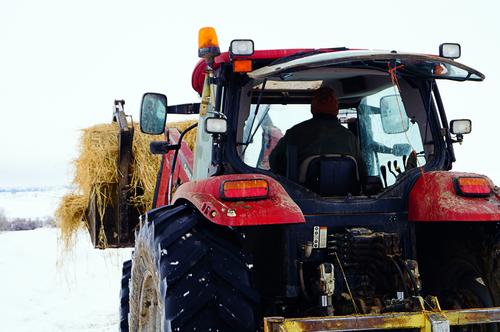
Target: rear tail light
245,189
472,186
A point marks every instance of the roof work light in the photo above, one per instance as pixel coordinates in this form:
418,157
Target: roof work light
449,50
460,126
241,47
208,44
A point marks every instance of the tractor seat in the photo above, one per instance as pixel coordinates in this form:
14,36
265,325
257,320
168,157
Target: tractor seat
330,175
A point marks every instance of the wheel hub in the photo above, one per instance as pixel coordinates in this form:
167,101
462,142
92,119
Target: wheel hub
149,310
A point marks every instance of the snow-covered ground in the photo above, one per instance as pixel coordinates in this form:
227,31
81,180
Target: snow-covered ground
34,203
43,288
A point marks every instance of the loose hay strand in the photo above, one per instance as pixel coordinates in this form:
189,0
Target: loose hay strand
71,216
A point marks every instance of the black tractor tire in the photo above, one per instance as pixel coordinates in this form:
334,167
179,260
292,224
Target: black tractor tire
189,275
462,285
490,260
124,295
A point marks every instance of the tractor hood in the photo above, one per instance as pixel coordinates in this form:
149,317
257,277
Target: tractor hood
429,66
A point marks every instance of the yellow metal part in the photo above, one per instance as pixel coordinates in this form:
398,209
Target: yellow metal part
206,94
425,321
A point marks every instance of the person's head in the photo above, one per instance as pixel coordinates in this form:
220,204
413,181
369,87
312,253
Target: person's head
324,101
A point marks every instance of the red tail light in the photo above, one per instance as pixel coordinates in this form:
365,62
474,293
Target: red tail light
472,186
245,189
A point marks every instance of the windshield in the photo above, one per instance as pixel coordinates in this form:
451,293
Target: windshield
380,148
388,123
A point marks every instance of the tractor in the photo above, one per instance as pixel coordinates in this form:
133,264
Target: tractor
393,241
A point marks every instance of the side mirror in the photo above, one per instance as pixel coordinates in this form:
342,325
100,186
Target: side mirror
393,115
153,113
216,125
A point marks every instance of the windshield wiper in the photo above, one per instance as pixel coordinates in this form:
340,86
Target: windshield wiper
250,134
259,99
257,127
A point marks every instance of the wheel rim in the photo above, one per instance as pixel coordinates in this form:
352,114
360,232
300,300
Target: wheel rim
149,310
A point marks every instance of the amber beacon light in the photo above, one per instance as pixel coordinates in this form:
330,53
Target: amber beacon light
208,44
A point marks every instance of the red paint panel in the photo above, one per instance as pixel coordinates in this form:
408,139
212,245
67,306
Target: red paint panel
183,166
278,208
433,198
184,159
161,199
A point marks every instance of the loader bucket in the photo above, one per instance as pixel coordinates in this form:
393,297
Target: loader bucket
113,226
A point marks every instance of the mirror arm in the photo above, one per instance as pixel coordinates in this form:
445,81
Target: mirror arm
459,139
162,147
174,161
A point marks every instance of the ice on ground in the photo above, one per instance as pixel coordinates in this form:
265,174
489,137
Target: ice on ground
44,290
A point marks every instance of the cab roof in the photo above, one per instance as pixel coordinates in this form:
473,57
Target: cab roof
199,70
296,59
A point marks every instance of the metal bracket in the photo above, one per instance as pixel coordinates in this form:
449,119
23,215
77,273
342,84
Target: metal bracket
425,321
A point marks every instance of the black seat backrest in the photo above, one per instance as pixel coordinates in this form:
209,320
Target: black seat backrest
330,175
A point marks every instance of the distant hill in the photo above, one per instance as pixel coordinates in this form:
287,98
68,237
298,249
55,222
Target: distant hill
30,202
31,189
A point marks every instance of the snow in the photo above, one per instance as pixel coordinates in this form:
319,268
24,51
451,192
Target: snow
42,202
45,289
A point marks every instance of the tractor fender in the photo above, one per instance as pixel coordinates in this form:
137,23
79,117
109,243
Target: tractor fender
205,195
434,198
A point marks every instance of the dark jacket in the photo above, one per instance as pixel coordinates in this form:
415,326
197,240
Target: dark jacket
323,134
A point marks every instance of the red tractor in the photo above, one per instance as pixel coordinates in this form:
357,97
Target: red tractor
396,241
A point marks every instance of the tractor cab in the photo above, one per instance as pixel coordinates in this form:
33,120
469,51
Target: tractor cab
370,107
368,231
389,101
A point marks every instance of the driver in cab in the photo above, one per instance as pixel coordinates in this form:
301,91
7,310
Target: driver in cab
320,135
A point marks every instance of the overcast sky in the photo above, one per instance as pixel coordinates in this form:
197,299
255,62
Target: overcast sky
63,62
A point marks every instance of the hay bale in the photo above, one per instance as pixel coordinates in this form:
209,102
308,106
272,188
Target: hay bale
145,168
98,154
96,171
